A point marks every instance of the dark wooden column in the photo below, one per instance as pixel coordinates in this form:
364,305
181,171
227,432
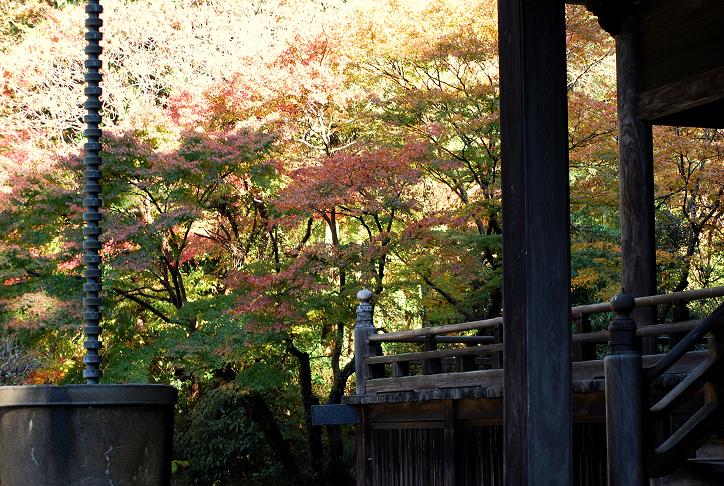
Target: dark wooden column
636,172
624,400
536,243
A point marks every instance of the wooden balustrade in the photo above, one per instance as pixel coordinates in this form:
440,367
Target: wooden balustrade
445,350
665,455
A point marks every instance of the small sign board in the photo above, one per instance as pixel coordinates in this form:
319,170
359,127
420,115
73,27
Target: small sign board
334,415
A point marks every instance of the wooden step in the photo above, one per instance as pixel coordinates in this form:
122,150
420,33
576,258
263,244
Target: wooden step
687,438
705,466
686,388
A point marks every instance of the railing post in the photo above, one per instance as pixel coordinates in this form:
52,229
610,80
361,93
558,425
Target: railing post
680,314
496,360
583,351
364,327
624,417
431,366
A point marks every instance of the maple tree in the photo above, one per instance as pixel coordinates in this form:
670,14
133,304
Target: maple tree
266,161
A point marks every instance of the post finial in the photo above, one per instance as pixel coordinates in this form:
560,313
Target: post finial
365,295
364,327
623,303
622,330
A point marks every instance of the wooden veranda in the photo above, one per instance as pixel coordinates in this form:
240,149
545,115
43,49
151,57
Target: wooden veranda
422,415
430,412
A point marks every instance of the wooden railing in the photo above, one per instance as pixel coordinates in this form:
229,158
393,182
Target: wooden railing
672,448
475,358
641,440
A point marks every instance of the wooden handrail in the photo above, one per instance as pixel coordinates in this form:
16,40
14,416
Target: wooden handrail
438,353
695,335
409,335
678,297
468,340
401,336
601,337
652,300
700,425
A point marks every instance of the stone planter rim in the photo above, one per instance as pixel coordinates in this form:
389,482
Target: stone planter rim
87,395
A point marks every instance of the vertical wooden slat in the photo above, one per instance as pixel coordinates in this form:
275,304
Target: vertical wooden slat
534,134
431,366
496,360
465,363
400,368
449,446
680,314
583,351
362,440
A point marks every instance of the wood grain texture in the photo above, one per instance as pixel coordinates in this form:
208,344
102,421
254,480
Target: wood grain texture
439,353
681,97
433,331
489,383
688,386
361,452
714,321
417,444
450,445
678,39
442,380
583,350
686,439
624,420
636,176
645,331
536,262
420,335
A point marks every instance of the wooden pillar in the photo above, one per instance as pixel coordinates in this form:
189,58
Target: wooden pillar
536,256
624,407
636,172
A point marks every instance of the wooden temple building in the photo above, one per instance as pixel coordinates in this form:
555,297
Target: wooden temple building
534,404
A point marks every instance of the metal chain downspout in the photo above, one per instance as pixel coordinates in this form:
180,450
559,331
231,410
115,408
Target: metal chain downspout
91,201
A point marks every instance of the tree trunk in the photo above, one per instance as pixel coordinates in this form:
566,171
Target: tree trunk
261,414
308,399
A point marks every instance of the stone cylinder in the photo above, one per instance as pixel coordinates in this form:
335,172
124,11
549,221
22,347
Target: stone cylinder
87,435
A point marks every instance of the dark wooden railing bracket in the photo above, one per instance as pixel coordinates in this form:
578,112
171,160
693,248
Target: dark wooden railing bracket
624,424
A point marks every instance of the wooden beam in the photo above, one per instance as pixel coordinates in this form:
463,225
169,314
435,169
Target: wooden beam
659,105
441,380
453,385
536,257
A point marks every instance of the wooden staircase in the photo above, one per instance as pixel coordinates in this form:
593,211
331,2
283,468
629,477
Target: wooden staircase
693,453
